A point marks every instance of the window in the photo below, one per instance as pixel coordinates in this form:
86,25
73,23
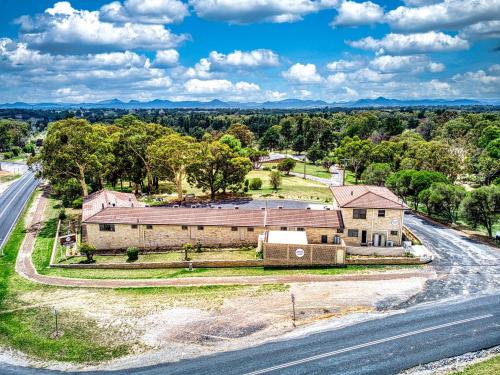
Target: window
324,238
300,229
358,213
134,226
250,229
352,233
284,228
149,226
234,229
394,232
107,227
184,227
340,230
381,213
201,227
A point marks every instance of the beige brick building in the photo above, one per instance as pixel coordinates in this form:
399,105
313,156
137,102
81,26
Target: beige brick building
372,215
363,215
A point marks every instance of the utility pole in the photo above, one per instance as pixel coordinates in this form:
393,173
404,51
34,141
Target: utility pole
293,309
344,166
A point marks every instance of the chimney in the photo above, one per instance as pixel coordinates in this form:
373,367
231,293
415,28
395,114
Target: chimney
103,206
352,192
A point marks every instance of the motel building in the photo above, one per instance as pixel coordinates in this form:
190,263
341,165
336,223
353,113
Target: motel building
362,216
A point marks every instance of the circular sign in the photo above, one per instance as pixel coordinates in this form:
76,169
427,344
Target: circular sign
299,253
395,222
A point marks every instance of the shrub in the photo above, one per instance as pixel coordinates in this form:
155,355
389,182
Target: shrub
275,180
255,184
132,254
266,168
8,155
187,247
286,165
77,203
88,250
62,214
199,247
29,148
16,150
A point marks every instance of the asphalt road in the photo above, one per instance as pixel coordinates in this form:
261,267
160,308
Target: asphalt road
12,202
389,345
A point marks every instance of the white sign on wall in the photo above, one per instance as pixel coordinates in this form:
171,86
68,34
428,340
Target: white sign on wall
395,222
299,253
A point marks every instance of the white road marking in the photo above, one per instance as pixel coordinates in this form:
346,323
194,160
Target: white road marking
28,180
366,344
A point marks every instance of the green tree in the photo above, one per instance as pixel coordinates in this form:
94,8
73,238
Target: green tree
482,207
286,165
217,167
408,184
73,148
255,156
354,153
315,153
376,174
233,142
242,132
445,199
170,156
271,139
287,125
275,179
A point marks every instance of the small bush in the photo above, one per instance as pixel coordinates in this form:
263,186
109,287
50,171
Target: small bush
16,150
88,250
199,247
275,180
77,203
8,155
266,168
255,184
132,254
62,214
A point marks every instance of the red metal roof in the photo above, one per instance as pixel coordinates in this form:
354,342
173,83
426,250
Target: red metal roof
218,217
366,196
101,199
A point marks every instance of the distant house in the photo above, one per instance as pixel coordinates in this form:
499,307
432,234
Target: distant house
372,215
276,158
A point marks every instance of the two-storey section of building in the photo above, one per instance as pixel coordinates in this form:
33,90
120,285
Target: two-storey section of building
372,215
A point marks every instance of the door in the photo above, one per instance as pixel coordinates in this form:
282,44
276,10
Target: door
242,234
363,237
192,233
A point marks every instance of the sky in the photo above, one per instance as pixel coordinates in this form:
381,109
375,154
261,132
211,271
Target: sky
248,50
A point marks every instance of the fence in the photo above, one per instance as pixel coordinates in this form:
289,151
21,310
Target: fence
287,255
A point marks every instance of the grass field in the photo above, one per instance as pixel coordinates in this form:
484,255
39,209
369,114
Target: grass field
7,176
489,367
214,272
292,188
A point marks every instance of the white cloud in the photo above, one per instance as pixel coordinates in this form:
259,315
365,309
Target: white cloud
448,15
275,95
351,13
481,30
408,63
303,74
250,11
412,43
65,30
241,59
166,58
345,65
149,12
216,86
337,78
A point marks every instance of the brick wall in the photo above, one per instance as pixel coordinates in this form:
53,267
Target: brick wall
393,220
173,236
285,255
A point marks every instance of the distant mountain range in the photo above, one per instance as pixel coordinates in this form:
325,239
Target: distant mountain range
380,102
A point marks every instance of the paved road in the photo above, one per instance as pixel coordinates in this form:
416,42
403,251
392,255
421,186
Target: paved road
12,202
464,266
381,346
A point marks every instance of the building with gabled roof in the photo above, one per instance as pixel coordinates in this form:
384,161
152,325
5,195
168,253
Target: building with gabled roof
372,215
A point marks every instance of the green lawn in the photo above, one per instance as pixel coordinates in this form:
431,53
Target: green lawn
489,367
172,256
215,272
29,328
292,188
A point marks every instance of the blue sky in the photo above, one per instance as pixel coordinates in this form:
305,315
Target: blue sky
248,50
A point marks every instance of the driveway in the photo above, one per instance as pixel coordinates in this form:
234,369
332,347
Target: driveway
464,266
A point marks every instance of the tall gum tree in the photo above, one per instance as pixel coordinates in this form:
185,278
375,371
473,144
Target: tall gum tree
170,156
74,148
